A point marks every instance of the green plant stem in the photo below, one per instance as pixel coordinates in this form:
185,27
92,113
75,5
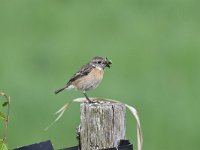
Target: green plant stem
7,116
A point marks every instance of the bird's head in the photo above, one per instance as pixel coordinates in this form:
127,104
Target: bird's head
101,62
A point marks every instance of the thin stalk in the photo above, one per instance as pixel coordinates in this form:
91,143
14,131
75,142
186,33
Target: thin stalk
7,116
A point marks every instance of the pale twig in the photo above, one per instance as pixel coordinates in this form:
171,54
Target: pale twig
139,130
60,112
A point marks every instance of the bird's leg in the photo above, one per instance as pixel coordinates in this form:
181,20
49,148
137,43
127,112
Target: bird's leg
87,97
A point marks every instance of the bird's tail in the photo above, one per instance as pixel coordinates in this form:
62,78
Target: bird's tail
60,90
67,87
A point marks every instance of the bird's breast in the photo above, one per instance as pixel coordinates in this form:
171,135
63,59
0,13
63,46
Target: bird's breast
90,81
97,73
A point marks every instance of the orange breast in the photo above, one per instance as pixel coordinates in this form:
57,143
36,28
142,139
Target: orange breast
90,81
97,73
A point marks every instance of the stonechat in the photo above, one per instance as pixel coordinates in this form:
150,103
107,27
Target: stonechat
88,77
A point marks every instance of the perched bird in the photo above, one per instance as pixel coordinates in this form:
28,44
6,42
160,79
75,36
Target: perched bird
88,77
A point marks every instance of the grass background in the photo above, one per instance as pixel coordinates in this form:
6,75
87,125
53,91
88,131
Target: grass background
155,49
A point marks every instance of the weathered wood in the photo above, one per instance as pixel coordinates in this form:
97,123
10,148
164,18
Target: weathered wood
102,125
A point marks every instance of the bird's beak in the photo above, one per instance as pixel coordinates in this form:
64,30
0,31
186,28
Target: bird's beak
108,62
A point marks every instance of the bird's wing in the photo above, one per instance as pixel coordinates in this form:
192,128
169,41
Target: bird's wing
82,72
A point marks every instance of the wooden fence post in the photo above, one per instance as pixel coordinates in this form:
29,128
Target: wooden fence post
102,125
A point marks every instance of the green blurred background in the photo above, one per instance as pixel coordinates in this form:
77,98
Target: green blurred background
155,49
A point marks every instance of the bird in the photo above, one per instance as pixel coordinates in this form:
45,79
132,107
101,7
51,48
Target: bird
88,77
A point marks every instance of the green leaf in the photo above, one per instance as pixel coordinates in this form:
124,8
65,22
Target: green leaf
3,146
2,116
5,104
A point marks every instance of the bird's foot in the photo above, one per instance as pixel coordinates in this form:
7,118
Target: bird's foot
90,101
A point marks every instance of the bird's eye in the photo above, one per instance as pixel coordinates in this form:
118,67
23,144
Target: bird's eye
98,62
